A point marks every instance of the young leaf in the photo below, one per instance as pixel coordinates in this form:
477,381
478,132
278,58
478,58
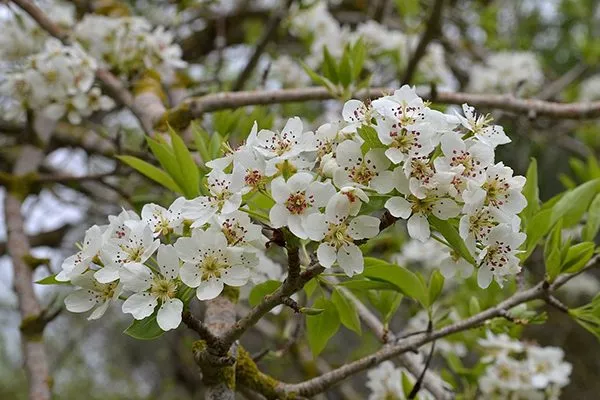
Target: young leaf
592,225
165,156
318,79
152,172
537,228
258,292
386,302
145,329
436,284
345,69
577,257
450,233
201,139
310,287
474,307
552,251
358,55
531,192
346,311
588,316
365,284
51,280
330,70
187,166
320,328
369,134
574,203
403,279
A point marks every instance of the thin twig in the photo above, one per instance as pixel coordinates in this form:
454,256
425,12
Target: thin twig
268,35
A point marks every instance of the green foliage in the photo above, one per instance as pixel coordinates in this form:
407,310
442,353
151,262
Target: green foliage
51,280
531,193
588,316
386,302
450,233
404,280
320,328
371,140
592,225
346,310
145,329
152,172
258,292
552,252
436,284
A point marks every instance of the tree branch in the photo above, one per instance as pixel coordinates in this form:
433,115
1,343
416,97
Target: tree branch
51,238
179,117
268,34
432,30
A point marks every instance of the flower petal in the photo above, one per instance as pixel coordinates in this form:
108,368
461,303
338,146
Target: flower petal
169,314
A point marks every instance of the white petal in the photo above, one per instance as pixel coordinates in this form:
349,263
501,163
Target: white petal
236,276
445,208
484,277
140,305
99,311
209,289
168,262
136,277
418,227
326,255
315,226
321,192
399,207
109,273
363,227
278,216
354,111
350,259
169,314
384,182
190,274
296,226
299,182
81,300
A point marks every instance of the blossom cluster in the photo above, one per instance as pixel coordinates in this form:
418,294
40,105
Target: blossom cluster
317,25
507,72
129,45
522,371
58,82
316,184
386,383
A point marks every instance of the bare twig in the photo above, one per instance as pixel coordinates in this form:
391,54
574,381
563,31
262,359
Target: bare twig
51,238
432,30
268,34
199,327
566,79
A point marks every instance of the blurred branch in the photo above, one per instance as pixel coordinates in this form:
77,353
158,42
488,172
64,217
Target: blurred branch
179,117
550,91
432,30
51,238
268,35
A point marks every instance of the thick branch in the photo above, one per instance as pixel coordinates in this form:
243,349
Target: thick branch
195,107
432,30
51,238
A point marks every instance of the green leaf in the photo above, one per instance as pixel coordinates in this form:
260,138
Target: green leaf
474,307
407,384
346,311
365,284
537,228
214,146
358,55
450,233
165,156
201,139
574,203
145,329
592,225
531,192
152,172
386,302
577,257
189,173
588,316
320,328
310,287
345,69
318,79
436,284
404,280
369,134
258,292
51,280
552,252
329,67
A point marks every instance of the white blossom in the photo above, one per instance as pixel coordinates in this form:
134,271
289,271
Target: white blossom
92,293
499,258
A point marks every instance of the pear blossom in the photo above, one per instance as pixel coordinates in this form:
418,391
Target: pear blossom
337,231
118,225
455,266
368,171
356,114
154,288
163,221
416,209
92,293
475,225
387,382
226,192
209,263
500,190
499,258
285,146
479,125
548,366
239,229
404,107
83,260
297,198
353,198
405,142
135,247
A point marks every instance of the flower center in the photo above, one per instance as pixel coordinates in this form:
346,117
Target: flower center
211,267
164,289
297,203
233,231
496,190
253,177
337,235
362,174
